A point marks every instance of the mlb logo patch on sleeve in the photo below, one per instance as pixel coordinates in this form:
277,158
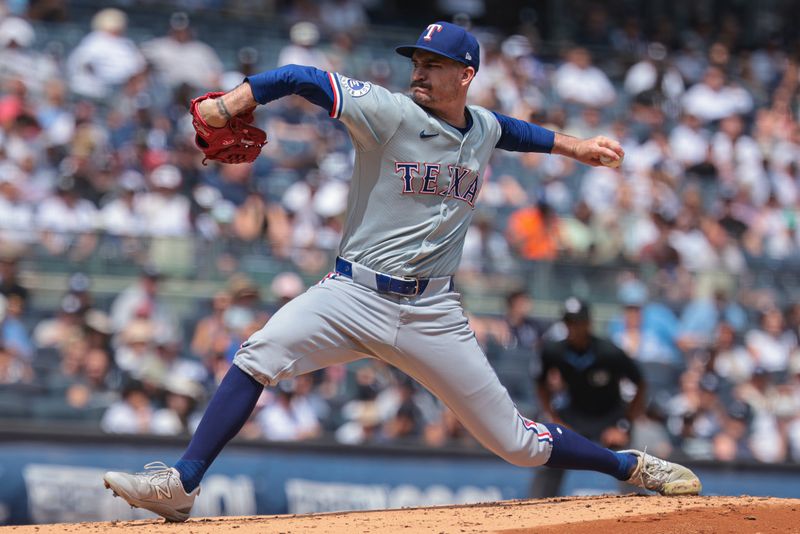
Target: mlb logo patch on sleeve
356,87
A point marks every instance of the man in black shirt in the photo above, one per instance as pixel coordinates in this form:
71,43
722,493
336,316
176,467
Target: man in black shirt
589,369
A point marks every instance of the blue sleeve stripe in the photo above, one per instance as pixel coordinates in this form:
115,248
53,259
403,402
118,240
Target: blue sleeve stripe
336,108
312,84
521,136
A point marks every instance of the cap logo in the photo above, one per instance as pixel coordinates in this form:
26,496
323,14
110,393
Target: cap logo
432,28
468,56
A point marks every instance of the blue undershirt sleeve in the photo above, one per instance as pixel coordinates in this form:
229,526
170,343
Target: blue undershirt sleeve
312,84
521,136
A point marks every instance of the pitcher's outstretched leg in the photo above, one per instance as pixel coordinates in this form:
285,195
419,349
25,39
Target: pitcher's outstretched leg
170,491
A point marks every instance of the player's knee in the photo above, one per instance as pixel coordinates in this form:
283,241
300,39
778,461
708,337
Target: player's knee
265,360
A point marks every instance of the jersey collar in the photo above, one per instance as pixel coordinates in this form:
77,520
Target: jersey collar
463,131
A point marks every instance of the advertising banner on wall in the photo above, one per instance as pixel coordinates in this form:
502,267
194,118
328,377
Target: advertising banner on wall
46,483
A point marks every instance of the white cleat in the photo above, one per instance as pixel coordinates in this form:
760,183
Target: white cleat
158,489
666,478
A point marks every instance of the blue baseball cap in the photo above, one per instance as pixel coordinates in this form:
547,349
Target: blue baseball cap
448,40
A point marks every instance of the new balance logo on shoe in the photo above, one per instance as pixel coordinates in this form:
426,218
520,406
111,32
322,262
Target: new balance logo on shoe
163,492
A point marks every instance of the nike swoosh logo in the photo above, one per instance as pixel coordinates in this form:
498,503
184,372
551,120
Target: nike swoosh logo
423,135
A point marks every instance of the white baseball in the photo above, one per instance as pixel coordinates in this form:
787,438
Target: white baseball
609,162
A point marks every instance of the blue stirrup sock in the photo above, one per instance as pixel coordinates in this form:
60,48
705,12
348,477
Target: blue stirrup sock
226,414
573,451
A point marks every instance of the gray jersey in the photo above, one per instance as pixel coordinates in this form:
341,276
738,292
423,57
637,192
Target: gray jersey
415,180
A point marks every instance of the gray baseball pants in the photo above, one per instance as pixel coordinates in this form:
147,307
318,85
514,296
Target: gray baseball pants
426,336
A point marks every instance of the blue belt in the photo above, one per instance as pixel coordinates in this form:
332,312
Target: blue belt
385,283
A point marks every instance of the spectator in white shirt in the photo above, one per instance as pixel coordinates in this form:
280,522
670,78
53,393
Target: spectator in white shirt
16,216
688,141
770,232
119,217
696,252
654,73
770,409
600,188
19,60
143,301
589,123
165,209
770,344
181,59
730,359
713,99
784,161
67,220
344,16
580,82
130,415
135,347
739,160
289,417
104,59
304,37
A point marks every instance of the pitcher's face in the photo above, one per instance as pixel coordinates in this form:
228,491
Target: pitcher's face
435,79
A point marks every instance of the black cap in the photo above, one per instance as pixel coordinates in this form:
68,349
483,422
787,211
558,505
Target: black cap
575,310
739,410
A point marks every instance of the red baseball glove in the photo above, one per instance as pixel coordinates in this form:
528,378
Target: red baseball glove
239,141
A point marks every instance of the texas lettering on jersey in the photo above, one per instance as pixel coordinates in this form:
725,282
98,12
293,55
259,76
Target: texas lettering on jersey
423,179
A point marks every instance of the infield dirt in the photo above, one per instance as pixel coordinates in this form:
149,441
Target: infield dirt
626,514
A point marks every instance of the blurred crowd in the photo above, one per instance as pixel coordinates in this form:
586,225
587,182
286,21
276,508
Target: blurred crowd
97,156
98,141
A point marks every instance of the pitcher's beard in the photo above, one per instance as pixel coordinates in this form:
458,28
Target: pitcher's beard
421,99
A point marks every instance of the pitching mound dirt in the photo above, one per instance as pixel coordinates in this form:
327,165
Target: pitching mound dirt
627,514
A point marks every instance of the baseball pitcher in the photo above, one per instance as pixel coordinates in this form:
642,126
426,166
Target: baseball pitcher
420,164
